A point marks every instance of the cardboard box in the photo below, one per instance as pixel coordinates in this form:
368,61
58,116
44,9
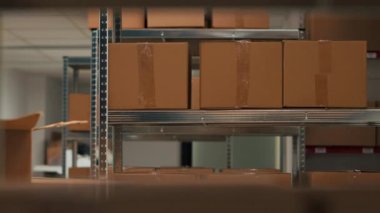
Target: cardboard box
80,109
249,171
79,172
195,93
131,18
340,136
192,170
344,179
148,76
16,148
139,170
241,75
325,74
344,26
239,18
267,179
175,17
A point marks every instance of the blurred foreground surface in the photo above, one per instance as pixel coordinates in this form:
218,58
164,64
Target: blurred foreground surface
45,195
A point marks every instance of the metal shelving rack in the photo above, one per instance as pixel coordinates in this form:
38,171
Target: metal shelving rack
205,124
76,64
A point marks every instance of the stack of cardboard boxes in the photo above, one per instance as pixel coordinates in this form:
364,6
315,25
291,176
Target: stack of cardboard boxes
244,74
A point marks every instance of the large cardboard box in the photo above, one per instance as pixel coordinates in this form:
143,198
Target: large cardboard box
343,179
250,171
344,26
340,136
241,75
79,109
16,148
325,74
195,93
131,18
148,76
175,17
223,17
266,179
192,170
80,172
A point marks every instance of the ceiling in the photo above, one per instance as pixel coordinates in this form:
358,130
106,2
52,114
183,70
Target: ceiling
36,40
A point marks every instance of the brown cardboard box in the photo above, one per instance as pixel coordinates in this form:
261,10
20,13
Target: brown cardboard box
241,75
134,177
16,148
325,74
268,179
139,170
175,17
344,26
343,179
340,136
79,172
93,18
79,109
239,18
195,93
249,171
176,170
148,76
131,18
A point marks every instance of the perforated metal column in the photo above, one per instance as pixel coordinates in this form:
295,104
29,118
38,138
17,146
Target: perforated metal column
65,93
298,162
94,147
103,94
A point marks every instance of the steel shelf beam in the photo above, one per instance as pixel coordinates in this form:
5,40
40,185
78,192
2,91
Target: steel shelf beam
281,117
79,62
211,34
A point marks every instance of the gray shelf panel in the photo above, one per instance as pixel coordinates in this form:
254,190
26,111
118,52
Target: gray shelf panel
281,34
281,117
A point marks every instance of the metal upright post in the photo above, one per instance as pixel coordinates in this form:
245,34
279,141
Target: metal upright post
117,134
74,143
229,152
103,94
118,149
65,92
94,146
298,163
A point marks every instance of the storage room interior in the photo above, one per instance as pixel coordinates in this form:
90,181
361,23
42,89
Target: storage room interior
37,45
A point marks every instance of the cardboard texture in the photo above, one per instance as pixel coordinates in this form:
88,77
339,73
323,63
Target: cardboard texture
239,18
134,178
79,109
132,18
139,170
175,17
241,75
16,148
340,136
325,74
344,26
79,172
148,76
192,170
195,93
268,179
249,171
343,179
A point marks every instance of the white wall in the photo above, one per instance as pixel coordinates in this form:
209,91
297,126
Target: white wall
25,93
151,154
